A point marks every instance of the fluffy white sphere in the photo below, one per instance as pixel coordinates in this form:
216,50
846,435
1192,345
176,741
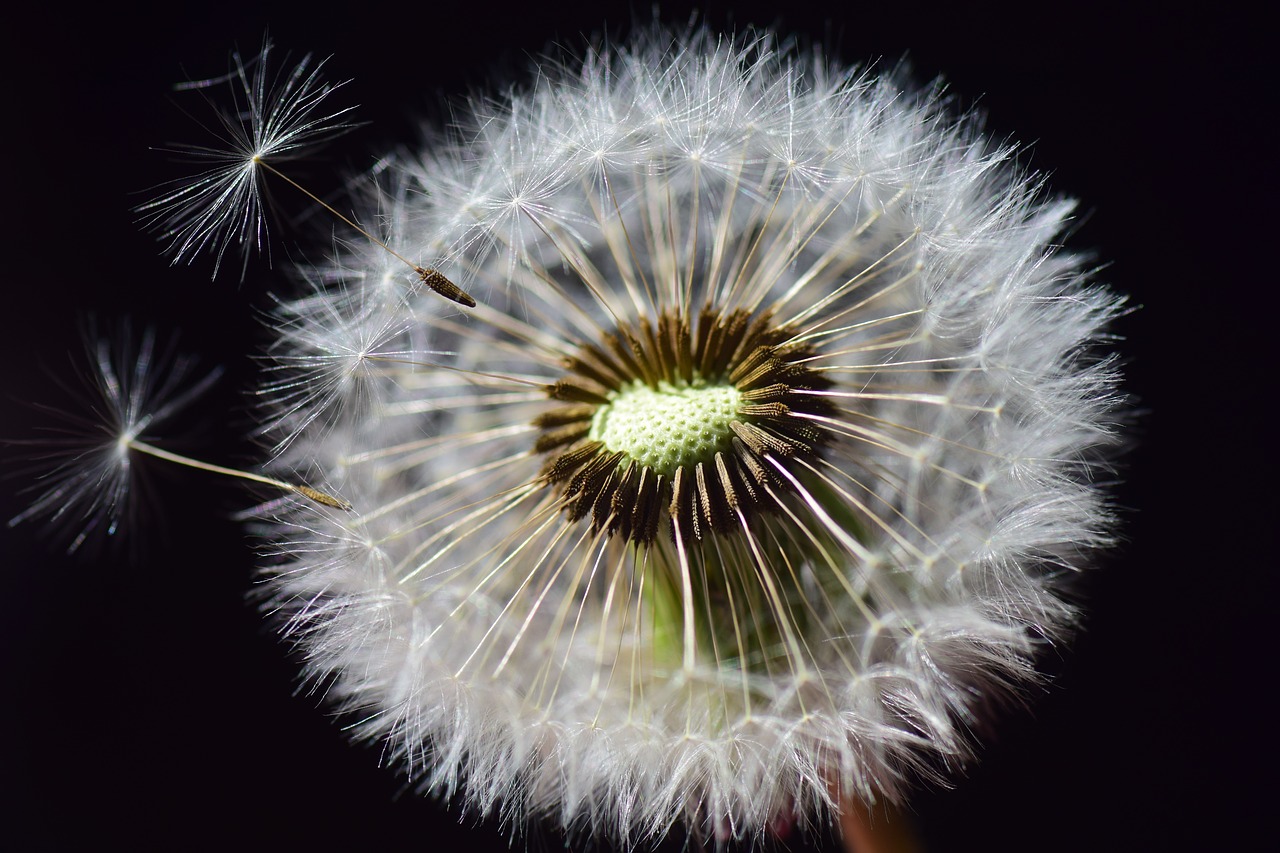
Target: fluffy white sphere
816,606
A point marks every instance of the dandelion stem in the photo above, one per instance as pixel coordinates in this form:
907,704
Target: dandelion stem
306,491
886,831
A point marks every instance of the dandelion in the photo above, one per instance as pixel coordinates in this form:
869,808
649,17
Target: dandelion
750,479
745,484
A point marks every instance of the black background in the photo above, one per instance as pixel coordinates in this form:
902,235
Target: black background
146,704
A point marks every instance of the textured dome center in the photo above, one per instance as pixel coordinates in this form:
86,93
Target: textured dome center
669,426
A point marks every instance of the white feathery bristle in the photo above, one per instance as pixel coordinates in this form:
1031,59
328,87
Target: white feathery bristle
274,117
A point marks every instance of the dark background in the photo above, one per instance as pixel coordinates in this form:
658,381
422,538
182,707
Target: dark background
147,705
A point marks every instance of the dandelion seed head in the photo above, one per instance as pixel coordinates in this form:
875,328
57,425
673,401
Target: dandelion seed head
743,485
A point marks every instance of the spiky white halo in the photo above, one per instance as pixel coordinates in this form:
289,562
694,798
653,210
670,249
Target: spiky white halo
906,570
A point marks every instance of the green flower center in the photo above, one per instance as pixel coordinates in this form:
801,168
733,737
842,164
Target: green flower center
670,426
678,426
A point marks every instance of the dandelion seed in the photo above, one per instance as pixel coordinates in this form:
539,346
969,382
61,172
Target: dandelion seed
275,116
85,469
85,465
